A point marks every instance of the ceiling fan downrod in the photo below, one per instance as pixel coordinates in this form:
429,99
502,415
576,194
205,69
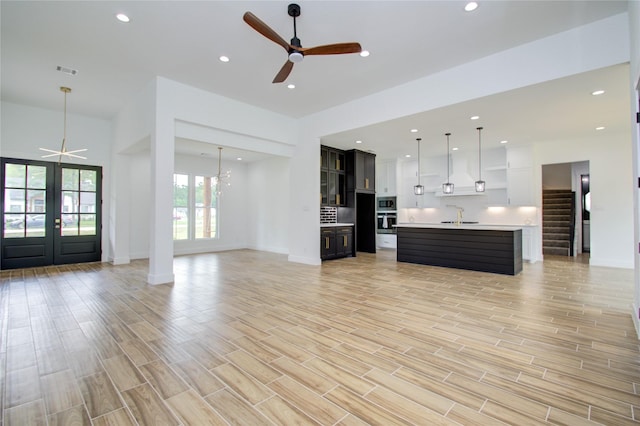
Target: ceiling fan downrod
295,55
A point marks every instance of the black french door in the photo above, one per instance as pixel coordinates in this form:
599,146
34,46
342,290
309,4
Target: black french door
51,213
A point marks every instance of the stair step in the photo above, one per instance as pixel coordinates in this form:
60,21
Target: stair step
555,243
554,237
555,251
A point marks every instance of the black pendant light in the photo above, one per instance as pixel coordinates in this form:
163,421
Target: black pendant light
447,188
418,189
480,184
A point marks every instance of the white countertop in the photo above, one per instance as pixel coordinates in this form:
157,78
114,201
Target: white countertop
476,226
333,225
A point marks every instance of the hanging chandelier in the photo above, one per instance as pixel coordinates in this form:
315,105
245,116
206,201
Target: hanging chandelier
418,189
222,178
480,184
63,148
447,188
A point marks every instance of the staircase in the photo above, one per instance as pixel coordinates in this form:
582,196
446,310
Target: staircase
558,221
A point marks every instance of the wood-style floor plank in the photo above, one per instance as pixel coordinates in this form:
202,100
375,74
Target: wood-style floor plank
246,337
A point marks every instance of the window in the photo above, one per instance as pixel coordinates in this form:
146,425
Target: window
195,209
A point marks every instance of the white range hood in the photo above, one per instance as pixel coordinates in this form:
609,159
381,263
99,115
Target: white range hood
464,183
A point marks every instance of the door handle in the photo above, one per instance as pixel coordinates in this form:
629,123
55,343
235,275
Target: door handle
366,183
326,242
344,240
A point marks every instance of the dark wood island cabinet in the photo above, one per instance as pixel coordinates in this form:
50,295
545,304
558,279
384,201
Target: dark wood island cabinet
480,248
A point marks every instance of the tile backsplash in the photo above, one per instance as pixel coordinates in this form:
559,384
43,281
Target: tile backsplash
328,214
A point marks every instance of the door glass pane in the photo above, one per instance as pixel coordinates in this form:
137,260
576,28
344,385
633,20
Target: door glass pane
35,225
14,200
36,177
15,175
70,224
13,226
70,202
87,202
36,201
70,179
87,224
88,180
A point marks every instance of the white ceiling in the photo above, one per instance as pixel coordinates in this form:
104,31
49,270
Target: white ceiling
182,40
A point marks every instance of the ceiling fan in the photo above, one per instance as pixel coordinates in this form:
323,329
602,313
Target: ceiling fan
294,49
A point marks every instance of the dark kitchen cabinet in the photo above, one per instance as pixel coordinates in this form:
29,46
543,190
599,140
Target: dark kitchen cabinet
361,171
336,242
344,241
332,177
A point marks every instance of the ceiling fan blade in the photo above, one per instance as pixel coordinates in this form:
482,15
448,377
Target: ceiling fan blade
284,72
265,30
332,49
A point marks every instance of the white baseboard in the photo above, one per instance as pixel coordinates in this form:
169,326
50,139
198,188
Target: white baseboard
305,260
120,260
611,263
155,279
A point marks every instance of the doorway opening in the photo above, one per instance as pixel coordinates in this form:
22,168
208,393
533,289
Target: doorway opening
566,209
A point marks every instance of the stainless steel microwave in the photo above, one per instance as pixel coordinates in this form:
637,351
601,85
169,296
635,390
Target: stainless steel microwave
386,204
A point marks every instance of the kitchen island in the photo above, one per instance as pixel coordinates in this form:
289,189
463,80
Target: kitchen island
487,248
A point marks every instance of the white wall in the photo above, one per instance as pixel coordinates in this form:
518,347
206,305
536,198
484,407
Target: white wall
137,199
25,129
268,212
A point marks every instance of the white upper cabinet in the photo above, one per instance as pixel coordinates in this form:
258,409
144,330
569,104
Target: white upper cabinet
386,178
520,177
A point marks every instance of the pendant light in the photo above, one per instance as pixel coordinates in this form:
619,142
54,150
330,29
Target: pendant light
63,149
221,179
418,189
480,184
447,188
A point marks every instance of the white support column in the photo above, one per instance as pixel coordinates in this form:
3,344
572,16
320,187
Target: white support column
161,218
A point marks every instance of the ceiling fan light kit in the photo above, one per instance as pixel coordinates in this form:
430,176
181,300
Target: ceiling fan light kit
295,51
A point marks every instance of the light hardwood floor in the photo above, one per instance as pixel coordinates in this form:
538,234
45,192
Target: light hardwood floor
247,338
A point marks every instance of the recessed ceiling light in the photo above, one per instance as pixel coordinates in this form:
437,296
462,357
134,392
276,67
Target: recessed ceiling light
597,92
358,141
471,6
364,53
122,17
408,155
475,117
414,130
291,86
454,149
224,58
239,158
600,128
504,141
